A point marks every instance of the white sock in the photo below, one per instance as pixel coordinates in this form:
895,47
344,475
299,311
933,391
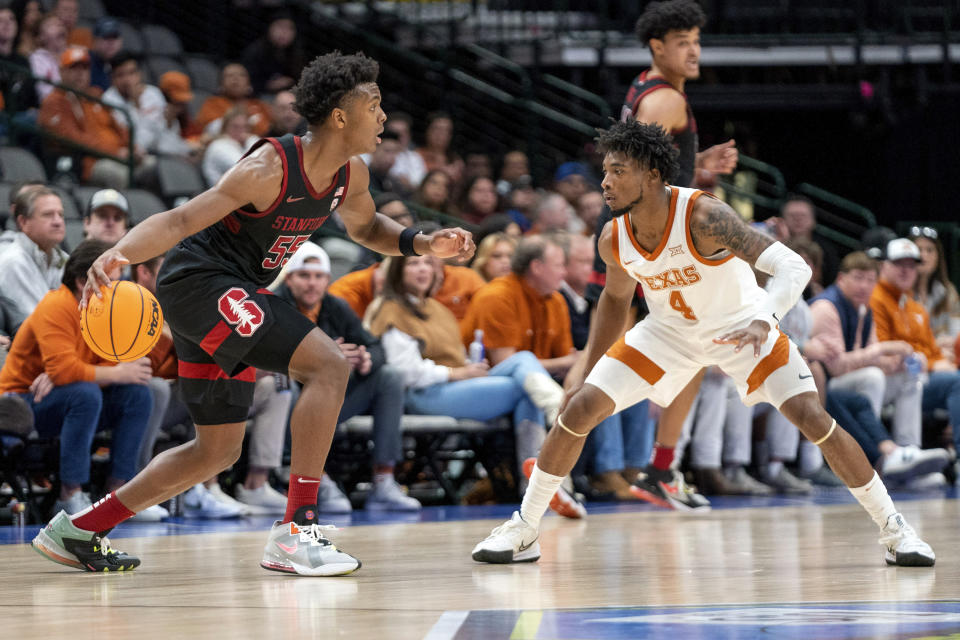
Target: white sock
540,490
873,496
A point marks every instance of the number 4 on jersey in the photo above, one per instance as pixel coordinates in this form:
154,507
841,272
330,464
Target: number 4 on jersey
679,304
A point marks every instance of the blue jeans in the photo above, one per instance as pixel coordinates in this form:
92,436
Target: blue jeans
942,391
381,395
484,398
854,413
623,440
75,411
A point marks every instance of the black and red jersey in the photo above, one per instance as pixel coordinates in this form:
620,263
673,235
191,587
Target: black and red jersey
254,245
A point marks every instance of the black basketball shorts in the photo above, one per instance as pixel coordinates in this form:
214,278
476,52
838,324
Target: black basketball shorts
222,331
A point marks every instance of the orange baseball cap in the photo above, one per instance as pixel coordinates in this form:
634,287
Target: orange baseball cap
74,55
176,86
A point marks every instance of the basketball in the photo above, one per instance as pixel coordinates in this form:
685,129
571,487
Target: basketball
124,325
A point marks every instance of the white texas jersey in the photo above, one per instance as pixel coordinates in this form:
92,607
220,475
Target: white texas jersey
684,290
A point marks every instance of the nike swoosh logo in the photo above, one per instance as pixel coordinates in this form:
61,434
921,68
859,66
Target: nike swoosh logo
775,317
809,375
290,550
524,547
292,199
302,481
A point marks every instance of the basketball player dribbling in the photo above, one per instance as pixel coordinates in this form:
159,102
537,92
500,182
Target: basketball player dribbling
225,246
692,254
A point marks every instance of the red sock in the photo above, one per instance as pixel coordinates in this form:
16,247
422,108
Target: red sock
302,492
662,457
104,515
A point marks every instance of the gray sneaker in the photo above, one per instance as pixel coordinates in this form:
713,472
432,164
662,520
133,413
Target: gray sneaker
300,547
330,498
76,503
745,484
786,482
387,495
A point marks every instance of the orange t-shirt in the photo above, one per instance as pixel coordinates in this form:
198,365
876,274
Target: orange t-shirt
49,340
512,314
87,123
897,316
459,286
356,288
214,107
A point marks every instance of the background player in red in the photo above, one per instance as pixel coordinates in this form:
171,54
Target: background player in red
225,246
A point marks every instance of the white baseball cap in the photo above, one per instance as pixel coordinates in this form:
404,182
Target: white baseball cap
320,261
108,197
900,248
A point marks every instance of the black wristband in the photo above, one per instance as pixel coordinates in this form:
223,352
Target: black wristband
406,241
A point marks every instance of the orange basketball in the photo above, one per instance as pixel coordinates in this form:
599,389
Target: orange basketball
124,325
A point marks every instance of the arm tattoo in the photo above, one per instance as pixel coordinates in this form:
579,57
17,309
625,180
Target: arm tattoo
721,226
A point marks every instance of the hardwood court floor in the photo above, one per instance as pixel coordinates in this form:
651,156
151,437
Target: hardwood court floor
414,575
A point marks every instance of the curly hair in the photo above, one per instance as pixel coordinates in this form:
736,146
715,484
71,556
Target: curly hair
648,144
327,80
672,15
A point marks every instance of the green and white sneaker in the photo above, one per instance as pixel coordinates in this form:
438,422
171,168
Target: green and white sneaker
300,547
65,544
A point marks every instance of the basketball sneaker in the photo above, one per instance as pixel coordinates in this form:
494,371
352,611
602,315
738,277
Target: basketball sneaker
513,541
904,548
667,489
300,547
64,543
562,501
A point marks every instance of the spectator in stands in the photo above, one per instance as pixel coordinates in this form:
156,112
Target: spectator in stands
579,266
275,59
525,311
409,168
421,337
284,117
589,208
812,254
374,388
45,61
107,217
515,166
223,153
522,201
143,102
172,139
88,123
9,235
900,317
435,191
19,92
497,223
28,13
493,256
799,215
72,391
391,205
479,200
381,161
69,13
477,163
844,337
34,264
436,150
107,43
935,291
571,180
553,213
235,91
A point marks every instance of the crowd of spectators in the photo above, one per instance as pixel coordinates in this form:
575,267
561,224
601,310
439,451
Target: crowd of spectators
880,328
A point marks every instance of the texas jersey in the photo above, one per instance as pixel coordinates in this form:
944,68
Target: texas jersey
684,290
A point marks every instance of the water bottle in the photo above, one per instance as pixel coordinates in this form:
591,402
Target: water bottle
476,351
913,365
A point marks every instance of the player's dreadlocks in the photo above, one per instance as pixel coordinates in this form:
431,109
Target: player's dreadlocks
660,17
328,79
648,144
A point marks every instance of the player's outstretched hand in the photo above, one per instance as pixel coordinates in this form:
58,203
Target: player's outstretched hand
754,334
98,274
452,243
720,158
